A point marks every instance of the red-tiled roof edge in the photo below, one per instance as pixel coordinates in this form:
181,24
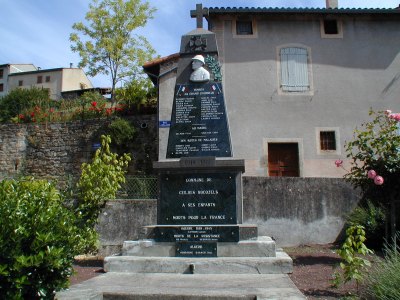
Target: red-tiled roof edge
160,60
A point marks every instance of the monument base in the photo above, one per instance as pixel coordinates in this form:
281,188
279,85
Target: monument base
261,247
256,256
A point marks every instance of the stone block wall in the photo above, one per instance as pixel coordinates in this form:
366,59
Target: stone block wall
13,147
57,150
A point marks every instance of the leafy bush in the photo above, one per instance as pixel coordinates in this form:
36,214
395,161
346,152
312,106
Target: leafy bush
372,218
99,181
375,160
121,131
38,240
19,100
136,93
383,281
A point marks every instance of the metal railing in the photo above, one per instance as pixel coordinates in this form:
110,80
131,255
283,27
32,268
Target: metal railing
139,187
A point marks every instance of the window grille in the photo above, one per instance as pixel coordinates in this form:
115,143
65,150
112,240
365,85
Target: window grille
327,140
244,27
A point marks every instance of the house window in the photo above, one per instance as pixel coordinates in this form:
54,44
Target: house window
1,73
1,87
327,140
244,27
47,78
39,79
331,28
294,69
20,82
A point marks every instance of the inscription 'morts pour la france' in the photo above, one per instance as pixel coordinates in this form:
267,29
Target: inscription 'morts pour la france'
199,124
202,198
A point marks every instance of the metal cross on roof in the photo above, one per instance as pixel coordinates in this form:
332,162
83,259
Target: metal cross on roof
199,13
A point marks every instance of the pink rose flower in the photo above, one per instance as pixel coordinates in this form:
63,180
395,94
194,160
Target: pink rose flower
338,163
388,112
371,174
394,117
378,180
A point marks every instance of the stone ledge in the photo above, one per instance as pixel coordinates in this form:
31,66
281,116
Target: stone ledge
262,247
281,264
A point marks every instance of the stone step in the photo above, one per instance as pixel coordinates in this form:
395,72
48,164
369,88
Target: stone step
282,263
262,247
184,287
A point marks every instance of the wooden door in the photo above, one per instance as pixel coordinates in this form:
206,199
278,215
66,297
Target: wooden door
283,159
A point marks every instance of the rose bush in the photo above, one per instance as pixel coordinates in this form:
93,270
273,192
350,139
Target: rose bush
375,161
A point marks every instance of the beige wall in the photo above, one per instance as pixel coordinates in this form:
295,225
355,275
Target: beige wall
60,80
75,79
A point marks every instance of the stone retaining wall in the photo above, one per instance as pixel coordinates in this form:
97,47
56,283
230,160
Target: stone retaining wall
57,150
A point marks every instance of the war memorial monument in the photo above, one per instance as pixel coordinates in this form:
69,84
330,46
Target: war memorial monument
199,248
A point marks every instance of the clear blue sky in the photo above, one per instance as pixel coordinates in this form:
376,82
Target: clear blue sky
37,31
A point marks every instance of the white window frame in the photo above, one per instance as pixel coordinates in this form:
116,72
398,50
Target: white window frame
318,131
281,65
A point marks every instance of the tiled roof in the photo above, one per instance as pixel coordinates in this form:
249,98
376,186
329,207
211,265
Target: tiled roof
280,10
160,60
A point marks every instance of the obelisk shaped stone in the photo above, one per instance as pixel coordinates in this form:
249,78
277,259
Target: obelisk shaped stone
199,124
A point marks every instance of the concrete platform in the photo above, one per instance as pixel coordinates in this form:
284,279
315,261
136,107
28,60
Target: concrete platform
154,286
280,264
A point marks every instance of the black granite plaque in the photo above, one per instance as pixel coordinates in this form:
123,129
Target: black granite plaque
199,124
196,249
197,198
191,233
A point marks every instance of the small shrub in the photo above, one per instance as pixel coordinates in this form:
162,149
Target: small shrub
99,181
351,252
19,100
121,131
372,218
38,240
383,282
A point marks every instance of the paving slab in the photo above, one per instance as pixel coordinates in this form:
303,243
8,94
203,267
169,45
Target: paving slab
157,286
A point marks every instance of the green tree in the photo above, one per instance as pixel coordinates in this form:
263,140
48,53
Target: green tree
375,155
107,44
